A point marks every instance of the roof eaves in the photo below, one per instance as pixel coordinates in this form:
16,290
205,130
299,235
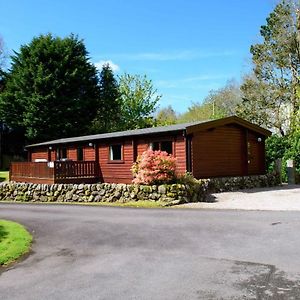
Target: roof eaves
119,134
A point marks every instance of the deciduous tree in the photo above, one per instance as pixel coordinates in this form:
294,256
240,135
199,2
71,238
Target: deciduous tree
219,103
270,94
166,116
138,99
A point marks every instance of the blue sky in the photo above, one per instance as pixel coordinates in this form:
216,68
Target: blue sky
187,47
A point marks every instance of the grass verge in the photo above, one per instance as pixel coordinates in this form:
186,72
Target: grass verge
15,241
4,175
139,204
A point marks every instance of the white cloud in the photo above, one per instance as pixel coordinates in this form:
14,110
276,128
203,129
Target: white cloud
114,67
174,55
191,82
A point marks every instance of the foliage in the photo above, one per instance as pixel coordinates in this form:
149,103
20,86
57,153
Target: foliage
225,99
138,100
276,146
166,116
219,103
154,167
187,179
270,94
108,113
293,151
4,175
2,54
52,89
15,241
2,62
197,112
285,148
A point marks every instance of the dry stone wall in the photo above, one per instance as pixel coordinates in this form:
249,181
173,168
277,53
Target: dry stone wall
167,194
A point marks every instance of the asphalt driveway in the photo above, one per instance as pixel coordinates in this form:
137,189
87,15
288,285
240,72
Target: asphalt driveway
279,198
124,253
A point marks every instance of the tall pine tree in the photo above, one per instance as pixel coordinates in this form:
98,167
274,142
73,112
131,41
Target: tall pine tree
109,109
51,90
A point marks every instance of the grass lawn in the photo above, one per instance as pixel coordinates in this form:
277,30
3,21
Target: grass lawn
4,175
15,241
139,204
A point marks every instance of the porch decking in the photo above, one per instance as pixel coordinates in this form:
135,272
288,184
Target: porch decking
55,172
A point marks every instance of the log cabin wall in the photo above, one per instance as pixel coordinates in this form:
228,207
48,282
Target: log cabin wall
117,171
178,147
229,150
219,151
120,171
180,154
72,153
89,153
41,153
53,155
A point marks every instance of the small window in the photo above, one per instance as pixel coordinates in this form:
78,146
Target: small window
61,153
163,146
154,146
80,154
115,152
167,146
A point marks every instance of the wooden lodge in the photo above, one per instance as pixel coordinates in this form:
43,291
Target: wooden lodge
225,147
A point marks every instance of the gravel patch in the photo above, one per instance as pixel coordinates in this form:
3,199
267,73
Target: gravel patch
280,198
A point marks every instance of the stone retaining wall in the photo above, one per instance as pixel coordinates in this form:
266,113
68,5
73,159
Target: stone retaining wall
171,194
229,184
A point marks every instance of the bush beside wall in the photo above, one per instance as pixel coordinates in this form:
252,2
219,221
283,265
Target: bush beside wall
169,194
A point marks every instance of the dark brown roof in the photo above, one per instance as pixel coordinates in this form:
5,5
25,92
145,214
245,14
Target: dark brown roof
188,127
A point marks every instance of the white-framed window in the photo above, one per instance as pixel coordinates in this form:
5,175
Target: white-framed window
163,146
61,153
115,152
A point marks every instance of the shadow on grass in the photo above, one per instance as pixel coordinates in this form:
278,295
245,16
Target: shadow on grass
2,179
3,233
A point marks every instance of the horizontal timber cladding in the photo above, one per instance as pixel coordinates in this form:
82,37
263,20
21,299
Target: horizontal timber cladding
120,171
117,171
41,153
72,153
52,155
178,147
219,151
89,153
180,154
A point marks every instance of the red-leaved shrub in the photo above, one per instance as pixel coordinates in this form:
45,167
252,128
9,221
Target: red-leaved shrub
154,167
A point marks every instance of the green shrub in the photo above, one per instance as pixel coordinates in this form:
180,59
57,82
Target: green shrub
285,148
276,146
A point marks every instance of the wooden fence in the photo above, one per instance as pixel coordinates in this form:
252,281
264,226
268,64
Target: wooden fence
55,172
75,171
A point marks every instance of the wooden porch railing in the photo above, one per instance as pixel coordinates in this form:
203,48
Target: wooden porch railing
27,170
75,169
55,172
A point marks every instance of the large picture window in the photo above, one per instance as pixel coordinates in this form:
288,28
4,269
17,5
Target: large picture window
115,152
163,146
